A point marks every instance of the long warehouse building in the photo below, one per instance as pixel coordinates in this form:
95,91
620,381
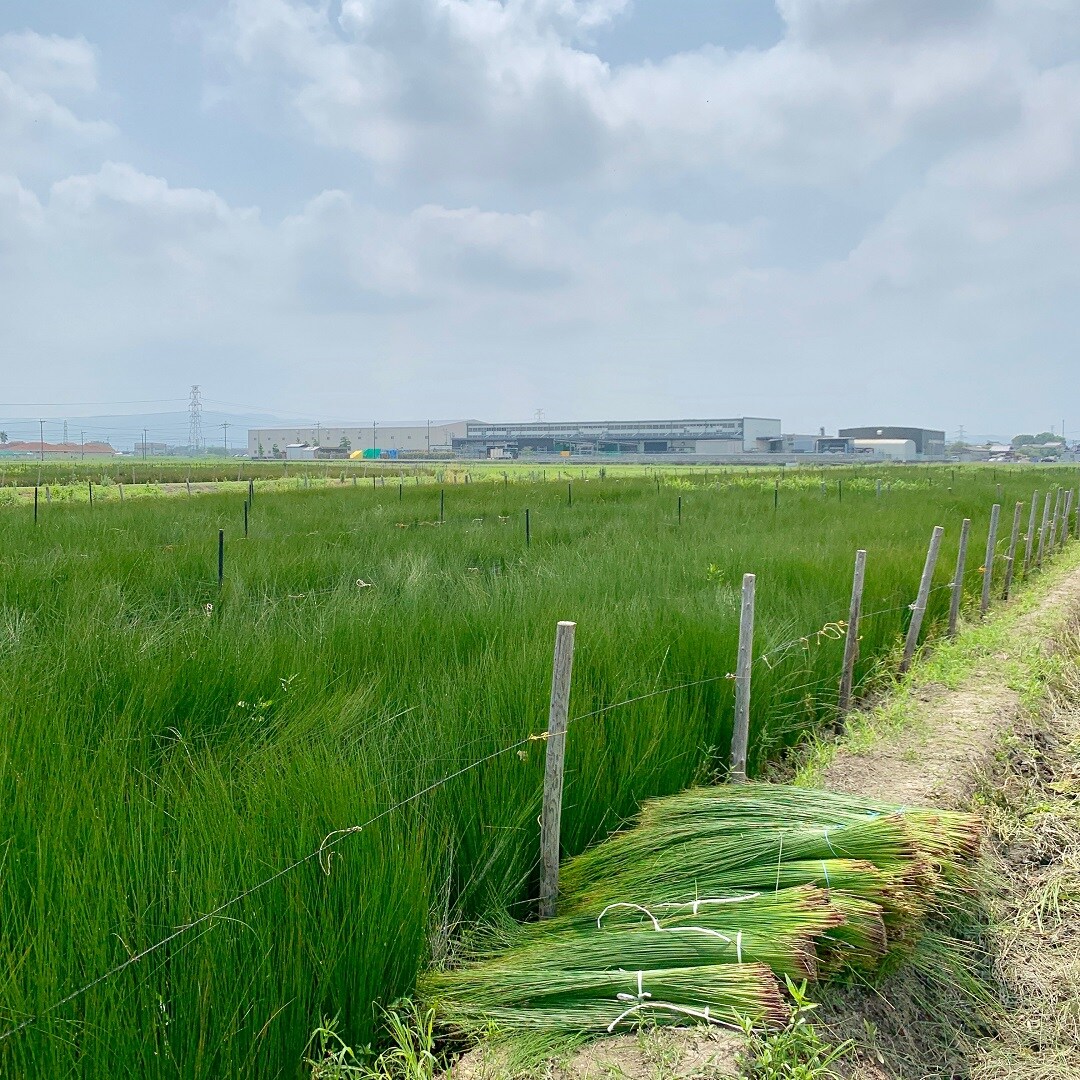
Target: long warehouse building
475,439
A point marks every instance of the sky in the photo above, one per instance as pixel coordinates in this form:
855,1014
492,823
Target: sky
834,212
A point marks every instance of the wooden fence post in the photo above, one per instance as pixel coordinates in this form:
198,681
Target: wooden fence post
1052,542
1010,563
220,557
1065,511
1029,540
991,554
1042,531
958,577
740,735
551,814
851,640
919,609
35,503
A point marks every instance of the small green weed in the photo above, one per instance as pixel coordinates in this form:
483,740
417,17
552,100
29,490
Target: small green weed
410,1055
797,1051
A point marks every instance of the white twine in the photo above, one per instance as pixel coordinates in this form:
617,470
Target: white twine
829,842
663,929
697,1014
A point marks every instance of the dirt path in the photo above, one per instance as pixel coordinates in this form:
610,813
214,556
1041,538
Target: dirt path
952,734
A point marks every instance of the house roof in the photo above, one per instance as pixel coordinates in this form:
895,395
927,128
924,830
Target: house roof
37,447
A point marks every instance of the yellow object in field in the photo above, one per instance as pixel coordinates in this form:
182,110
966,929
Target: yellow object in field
564,453
356,455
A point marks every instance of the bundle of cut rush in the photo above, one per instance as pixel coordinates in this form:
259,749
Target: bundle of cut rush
698,910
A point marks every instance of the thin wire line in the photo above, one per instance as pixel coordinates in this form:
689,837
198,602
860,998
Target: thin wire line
332,840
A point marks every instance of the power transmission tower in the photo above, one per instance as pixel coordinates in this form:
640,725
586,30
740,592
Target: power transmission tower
195,420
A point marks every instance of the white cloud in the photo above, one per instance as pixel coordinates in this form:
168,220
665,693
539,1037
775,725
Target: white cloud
487,91
42,82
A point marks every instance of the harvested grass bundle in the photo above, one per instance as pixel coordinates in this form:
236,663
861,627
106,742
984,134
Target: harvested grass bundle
777,929
598,1002
703,902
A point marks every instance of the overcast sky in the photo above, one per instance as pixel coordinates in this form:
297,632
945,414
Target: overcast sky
830,211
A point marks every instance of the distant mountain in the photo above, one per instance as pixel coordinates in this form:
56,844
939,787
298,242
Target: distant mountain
123,431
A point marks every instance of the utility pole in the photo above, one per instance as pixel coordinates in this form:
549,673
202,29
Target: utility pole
144,430
225,428
374,448
41,433
82,445
429,438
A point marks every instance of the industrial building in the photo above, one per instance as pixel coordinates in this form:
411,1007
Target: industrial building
645,437
927,444
686,439
412,440
472,438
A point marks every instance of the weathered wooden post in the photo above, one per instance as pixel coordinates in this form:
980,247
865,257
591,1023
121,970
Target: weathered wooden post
220,557
442,504
918,611
851,641
680,509
740,735
957,586
35,503
1029,540
1010,562
121,487
1052,542
551,813
991,554
1065,512
245,520
1042,531
90,491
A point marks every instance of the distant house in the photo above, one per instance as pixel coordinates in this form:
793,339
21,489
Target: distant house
56,451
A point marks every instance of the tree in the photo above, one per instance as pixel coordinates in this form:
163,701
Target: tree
345,444
3,436
1022,440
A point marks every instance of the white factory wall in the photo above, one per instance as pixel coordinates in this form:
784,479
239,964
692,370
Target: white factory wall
718,446
261,441
889,449
758,427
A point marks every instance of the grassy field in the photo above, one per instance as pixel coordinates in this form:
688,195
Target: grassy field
166,745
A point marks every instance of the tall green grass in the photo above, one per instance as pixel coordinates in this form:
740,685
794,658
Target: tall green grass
165,745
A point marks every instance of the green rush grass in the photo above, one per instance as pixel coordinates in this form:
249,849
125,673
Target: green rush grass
166,745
